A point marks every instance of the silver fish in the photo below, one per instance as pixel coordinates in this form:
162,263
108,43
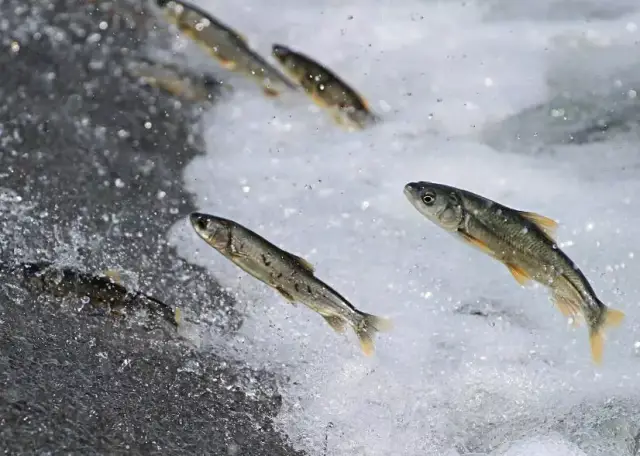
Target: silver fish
292,276
175,80
524,242
226,45
348,108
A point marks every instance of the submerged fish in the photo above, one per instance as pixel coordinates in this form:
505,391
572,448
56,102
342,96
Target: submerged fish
102,292
326,89
293,277
174,80
524,242
225,45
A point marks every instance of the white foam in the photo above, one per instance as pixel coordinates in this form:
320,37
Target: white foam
336,198
543,446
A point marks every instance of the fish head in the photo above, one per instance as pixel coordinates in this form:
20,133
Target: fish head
439,203
289,61
216,231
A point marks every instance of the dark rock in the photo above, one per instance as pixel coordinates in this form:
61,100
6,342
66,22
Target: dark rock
91,177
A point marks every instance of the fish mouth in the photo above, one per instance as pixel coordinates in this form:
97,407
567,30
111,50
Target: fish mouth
197,218
410,190
201,223
279,51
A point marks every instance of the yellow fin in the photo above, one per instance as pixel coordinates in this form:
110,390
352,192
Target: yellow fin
304,263
546,224
270,93
596,333
318,100
521,276
226,64
368,328
568,307
337,323
177,315
477,243
113,275
339,119
286,295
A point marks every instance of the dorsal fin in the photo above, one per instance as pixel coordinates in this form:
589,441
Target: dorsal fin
304,263
546,224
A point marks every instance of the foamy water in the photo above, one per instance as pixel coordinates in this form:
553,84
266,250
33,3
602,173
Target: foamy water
438,73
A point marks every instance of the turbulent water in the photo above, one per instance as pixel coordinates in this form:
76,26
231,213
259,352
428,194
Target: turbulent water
534,106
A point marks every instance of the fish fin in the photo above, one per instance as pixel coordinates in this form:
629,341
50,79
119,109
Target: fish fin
286,295
521,276
611,318
337,323
318,100
546,224
113,275
338,118
227,64
304,263
241,37
367,329
177,316
567,306
477,243
269,92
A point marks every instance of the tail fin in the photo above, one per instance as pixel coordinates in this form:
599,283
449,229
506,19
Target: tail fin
610,318
368,328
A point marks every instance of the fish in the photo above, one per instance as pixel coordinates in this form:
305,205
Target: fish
176,81
291,276
326,89
103,292
525,243
227,46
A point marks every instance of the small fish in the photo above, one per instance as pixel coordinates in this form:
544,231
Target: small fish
225,44
293,277
326,89
174,80
524,242
102,292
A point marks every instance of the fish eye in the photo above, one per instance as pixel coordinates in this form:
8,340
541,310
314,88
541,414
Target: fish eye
429,198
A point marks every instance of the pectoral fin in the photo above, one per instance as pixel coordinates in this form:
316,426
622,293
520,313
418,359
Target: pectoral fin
225,63
269,92
337,323
546,224
286,295
477,243
521,276
319,101
304,263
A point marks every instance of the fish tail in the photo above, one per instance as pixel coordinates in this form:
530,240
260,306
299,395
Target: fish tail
609,318
367,329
